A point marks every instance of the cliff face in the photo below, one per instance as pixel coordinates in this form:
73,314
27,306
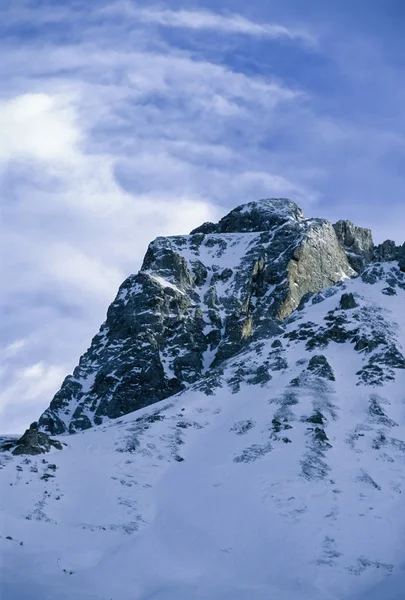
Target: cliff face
198,300
357,243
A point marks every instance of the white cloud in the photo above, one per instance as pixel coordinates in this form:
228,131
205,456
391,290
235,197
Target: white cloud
38,126
21,396
205,19
36,371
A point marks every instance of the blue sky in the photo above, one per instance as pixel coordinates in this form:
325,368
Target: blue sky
121,121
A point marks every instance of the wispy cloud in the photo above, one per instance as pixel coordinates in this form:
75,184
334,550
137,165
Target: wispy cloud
205,19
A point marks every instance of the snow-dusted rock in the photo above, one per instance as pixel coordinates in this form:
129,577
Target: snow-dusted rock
198,300
357,242
34,442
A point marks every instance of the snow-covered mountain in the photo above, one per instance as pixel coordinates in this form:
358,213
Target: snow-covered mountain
239,427
196,302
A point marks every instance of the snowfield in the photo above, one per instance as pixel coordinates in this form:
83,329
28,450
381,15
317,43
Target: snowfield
285,481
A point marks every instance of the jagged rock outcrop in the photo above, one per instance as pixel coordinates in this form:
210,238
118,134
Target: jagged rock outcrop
198,300
264,215
35,442
389,251
347,302
318,262
357,243
386,251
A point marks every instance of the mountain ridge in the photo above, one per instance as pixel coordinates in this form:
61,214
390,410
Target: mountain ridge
219,286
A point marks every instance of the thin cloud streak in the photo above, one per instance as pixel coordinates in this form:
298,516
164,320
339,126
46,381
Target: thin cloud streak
205,19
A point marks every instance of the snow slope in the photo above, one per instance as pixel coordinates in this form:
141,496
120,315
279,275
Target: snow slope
280,477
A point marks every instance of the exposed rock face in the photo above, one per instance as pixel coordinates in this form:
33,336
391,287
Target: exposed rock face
319,366
347,302
357,242
264,215
386,251
389,251
198,300
317,263
35,442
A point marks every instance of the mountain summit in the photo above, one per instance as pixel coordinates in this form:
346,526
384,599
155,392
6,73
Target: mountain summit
197,301
239,427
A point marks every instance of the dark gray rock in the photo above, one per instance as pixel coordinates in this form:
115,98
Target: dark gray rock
35,442
389,251
206,227
317,418
389,291
347,302
320,336
401,258
264,215
386,251
319,366
366,328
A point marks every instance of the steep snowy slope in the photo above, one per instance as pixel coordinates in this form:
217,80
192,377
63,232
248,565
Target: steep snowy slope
277,474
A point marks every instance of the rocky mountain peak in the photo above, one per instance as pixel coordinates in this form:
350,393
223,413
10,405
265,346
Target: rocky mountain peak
199,300
261,215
